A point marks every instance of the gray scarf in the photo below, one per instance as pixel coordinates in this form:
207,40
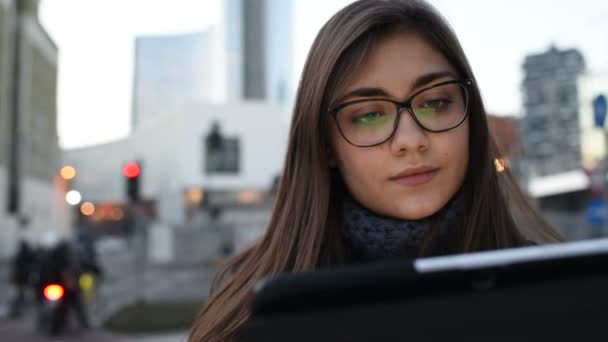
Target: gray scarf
373,237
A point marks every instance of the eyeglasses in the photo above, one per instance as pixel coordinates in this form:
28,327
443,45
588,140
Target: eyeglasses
371,122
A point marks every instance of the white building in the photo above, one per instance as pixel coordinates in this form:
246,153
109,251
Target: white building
172,148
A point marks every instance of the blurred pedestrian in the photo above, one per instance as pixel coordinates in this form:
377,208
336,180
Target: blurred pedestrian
389,155
90,268
66,268
21,273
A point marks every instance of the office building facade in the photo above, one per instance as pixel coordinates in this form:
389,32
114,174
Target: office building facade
550,127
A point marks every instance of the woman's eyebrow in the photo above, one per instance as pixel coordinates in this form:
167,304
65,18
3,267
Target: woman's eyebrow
425,79
363,92
420,81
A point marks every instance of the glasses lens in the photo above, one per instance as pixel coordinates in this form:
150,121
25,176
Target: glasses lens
367,123
442,107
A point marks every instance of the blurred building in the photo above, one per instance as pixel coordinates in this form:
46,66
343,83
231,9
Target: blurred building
550,127
190,186
31,203
259,51
561,143
593,139
247,56
171,69
175,157
235,76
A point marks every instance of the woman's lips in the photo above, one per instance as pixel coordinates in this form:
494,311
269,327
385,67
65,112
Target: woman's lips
417,179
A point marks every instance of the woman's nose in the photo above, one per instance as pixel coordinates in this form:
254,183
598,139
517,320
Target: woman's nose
408,136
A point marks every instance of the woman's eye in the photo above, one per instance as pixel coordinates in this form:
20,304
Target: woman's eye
368,118
436,104
432,107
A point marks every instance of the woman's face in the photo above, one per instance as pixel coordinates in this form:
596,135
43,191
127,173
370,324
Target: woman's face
416,172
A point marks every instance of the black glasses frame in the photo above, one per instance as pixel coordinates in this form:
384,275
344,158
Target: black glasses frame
407,104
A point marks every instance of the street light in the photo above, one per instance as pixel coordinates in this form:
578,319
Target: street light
67,172
87,208
73,197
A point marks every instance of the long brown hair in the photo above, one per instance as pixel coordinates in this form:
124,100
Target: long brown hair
303,233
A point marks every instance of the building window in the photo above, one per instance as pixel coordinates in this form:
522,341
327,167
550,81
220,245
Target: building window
223,157
565,95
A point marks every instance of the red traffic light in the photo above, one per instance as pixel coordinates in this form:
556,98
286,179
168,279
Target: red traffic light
131,170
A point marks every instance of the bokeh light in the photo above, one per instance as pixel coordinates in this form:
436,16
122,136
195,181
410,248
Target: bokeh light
73,197
67,172
87,208
53,292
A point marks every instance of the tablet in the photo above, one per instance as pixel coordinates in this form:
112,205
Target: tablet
554,290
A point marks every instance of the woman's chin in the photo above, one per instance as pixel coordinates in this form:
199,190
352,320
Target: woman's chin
412,214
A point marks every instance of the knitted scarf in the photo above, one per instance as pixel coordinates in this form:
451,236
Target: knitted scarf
373,237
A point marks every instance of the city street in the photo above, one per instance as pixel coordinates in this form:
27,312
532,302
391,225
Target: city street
121,286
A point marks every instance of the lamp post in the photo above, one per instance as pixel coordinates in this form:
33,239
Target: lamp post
14,188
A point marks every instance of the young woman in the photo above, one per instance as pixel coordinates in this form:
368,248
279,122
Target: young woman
389,155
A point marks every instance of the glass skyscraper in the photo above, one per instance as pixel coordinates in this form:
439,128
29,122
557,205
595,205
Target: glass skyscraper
246,57
170,70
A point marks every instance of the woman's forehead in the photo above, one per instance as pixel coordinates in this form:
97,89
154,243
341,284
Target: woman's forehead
399,62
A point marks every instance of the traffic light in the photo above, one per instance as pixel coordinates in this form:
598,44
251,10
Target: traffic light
132,173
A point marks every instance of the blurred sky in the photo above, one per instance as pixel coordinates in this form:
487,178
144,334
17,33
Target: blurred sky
96,37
